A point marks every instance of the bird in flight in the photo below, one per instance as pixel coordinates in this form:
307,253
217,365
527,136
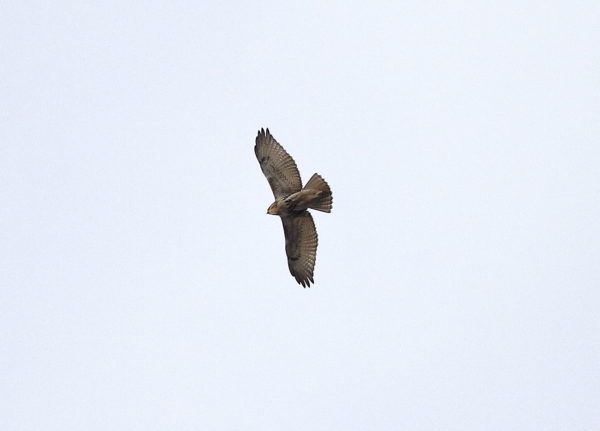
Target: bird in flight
291,204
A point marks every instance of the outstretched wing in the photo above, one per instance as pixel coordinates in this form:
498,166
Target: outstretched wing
277,165
301,246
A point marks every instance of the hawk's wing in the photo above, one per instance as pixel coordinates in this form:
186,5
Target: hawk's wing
277,165
301,246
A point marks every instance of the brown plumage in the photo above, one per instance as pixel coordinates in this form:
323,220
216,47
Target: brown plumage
291,204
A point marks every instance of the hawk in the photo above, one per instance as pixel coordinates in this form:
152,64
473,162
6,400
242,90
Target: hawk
291,204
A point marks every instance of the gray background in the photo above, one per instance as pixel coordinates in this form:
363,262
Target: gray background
144,287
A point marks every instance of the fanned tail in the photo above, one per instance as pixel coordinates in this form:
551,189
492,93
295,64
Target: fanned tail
324,202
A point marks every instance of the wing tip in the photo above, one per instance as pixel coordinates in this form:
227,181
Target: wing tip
264,131
306,281
262,136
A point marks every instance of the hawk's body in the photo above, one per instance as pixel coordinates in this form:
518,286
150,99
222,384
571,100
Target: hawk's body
291,204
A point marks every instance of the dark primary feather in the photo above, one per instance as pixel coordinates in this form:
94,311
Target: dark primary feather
301,246
277,165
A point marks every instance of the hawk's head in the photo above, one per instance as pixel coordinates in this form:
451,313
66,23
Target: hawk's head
273,209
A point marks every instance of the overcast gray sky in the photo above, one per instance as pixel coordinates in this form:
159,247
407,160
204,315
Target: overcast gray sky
143,285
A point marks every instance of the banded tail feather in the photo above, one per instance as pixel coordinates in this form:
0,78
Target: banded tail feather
325,200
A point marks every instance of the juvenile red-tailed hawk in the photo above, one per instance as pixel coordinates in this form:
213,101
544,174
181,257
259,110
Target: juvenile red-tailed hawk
291,204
